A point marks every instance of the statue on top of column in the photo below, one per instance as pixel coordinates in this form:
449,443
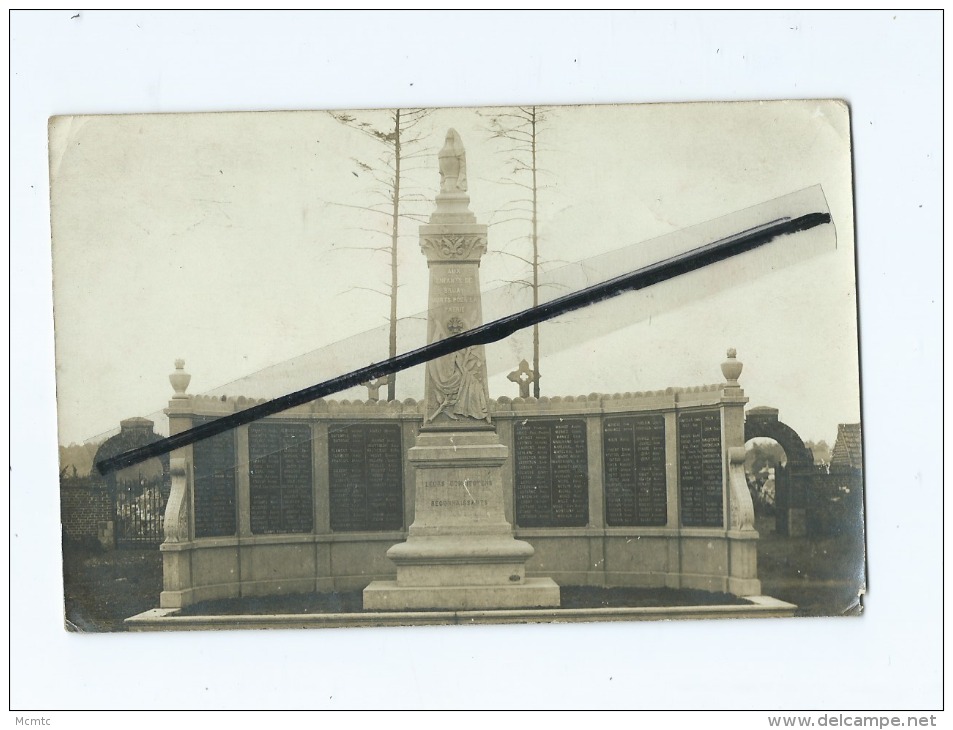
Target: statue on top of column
453,164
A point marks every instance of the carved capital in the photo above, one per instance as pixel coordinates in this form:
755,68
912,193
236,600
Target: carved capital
453,247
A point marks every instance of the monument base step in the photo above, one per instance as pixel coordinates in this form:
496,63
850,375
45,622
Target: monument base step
166,619
386,595
461,549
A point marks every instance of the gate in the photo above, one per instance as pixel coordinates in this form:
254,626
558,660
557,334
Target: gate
138,493
792,483
140,511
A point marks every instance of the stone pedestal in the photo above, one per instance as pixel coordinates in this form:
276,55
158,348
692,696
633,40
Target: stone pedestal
742,537
460,552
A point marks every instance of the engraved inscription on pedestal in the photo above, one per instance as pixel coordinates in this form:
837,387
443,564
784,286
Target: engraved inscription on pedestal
634,458
552,473
700,469
458,498
280,480
365,465
213,462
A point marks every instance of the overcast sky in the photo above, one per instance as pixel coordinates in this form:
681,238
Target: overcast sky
228,240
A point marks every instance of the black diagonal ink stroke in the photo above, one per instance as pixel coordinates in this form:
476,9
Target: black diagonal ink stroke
670,268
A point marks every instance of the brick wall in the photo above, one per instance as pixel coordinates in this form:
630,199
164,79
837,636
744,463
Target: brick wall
85,508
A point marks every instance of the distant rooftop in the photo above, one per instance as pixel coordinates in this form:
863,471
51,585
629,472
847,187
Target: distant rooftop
848,448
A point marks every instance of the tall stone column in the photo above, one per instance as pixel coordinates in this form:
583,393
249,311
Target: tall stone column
460,551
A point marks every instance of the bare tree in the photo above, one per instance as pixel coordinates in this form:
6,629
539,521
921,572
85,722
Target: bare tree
520,129
401,141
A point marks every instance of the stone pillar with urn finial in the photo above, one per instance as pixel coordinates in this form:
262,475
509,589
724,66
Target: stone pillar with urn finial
460,552
176,558
742,536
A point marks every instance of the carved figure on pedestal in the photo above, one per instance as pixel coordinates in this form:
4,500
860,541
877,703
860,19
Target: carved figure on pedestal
457,379
453,164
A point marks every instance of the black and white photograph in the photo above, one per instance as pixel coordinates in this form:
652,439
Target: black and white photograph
667,452
388,371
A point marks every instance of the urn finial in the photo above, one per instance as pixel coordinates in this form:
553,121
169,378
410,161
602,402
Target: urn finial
180,379
731,368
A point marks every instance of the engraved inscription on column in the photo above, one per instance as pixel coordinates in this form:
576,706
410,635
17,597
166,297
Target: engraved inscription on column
700,469
281,492
213,461
365,467
552,473
634,458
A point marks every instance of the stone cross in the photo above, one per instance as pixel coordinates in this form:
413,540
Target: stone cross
524,377
373,386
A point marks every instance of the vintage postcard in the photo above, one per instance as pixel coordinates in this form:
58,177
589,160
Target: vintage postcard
462,365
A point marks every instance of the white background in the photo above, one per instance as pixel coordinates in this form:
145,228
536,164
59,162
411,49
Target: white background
886,65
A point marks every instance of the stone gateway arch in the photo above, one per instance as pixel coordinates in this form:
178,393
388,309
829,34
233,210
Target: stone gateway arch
793,481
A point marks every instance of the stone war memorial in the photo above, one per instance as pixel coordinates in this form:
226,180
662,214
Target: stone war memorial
498,479
461,501
460,551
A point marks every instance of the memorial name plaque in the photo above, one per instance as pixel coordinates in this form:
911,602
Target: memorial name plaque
634,455
280,481
700,470
213,461
365,466
552,474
